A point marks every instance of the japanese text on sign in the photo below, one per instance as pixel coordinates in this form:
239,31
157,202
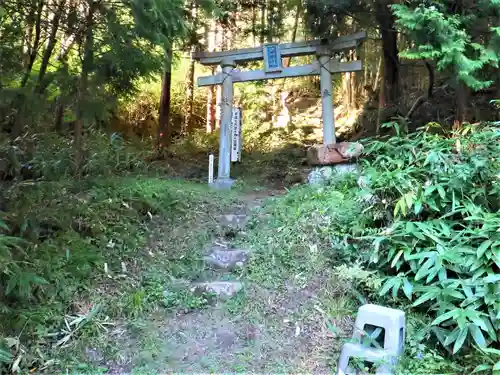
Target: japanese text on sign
236,135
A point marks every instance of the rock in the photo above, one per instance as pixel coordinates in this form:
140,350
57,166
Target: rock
224,339
234,221
320,176
324,155
227,259
350,150
222,289
334,153
343,169
323,175
95,355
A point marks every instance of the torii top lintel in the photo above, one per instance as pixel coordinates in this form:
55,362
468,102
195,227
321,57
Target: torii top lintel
342,43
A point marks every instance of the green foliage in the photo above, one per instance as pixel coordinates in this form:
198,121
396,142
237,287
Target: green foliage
442,247
442,34
420,358
5,355
305,230
489,359
91,56
65,244
187,300
48,156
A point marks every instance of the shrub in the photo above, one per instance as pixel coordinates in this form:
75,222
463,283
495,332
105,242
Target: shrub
442,250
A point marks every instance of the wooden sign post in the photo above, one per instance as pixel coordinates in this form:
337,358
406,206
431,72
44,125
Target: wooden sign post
272,55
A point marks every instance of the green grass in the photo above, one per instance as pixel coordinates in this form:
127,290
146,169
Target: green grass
145,232
306,238
299,234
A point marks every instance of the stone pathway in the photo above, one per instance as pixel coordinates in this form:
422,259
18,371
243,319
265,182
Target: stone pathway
222,256
245,327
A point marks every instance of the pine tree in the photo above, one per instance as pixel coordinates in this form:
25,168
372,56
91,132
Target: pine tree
449,36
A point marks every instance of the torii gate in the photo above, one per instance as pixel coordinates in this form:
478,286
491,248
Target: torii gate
272,54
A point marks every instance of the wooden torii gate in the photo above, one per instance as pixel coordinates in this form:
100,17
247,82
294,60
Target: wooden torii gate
272,54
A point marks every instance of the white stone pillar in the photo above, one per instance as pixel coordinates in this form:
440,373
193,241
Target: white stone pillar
223,176
327,98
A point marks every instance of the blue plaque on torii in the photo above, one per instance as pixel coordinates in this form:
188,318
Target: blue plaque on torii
272,57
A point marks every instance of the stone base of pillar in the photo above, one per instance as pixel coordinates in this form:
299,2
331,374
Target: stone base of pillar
327,174
222,184
334,153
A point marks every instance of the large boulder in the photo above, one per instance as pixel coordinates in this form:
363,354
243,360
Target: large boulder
334,153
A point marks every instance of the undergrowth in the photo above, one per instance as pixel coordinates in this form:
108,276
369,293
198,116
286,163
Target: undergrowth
419,229
76,255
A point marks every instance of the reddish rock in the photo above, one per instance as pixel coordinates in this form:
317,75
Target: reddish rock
334,153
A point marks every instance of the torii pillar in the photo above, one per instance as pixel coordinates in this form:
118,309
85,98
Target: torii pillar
324,57
223,178
272,54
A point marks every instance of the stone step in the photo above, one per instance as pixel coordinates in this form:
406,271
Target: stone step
234,221
224,258
222,289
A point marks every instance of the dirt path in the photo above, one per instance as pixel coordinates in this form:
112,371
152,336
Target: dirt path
244,327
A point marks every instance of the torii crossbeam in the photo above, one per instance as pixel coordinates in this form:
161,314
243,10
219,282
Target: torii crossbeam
272,54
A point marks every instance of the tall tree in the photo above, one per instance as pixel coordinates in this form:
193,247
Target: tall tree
211,35
87,67
165,98
192,45
389,36
459,37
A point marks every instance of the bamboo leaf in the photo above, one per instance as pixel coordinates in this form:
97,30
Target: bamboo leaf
396,258
396,287
418,207
460,340
441,192
388,285
408,288
477,335
483,247
442,318
481,368
430,295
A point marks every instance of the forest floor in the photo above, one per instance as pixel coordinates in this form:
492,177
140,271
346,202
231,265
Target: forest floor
265,318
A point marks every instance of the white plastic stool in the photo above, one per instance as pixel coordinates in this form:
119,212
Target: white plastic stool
392,322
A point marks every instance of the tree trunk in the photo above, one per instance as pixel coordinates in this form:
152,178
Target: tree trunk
51,43
270,21
254,22
164,116
20,99
461,112
58,116
389,36
355,84
36,42
263,21
379,73
211,103
188,118
30,24
219,46
287,60
381,99
87,65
